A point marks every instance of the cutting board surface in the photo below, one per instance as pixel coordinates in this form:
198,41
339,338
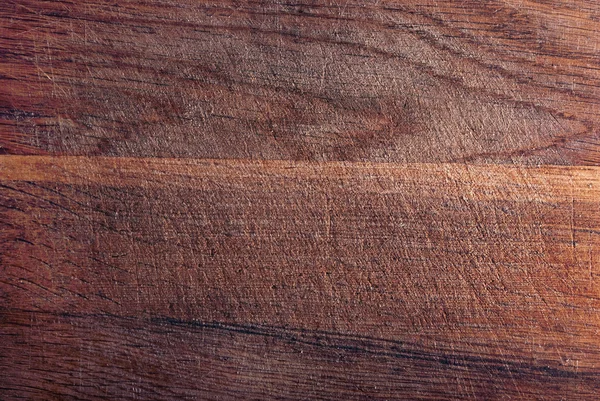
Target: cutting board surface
311,200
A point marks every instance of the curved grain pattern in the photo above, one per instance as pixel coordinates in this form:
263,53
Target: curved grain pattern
219,279
410,81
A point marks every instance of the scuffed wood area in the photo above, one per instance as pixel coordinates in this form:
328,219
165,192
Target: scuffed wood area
206,199
397,81
158,278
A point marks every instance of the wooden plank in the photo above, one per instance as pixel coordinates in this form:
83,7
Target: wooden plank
222,279
109,357
410,81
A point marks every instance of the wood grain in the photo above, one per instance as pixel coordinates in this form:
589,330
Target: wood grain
158,278
234,199
410,81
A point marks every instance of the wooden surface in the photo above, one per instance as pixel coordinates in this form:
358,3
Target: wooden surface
314,200
402,81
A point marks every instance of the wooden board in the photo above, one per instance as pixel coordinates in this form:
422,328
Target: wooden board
409,81
441,280
314,200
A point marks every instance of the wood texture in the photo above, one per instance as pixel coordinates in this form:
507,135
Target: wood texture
410,81
309,200
443,281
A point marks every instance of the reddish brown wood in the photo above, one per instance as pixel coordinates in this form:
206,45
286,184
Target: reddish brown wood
387,199
432,281
403,81
108,357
